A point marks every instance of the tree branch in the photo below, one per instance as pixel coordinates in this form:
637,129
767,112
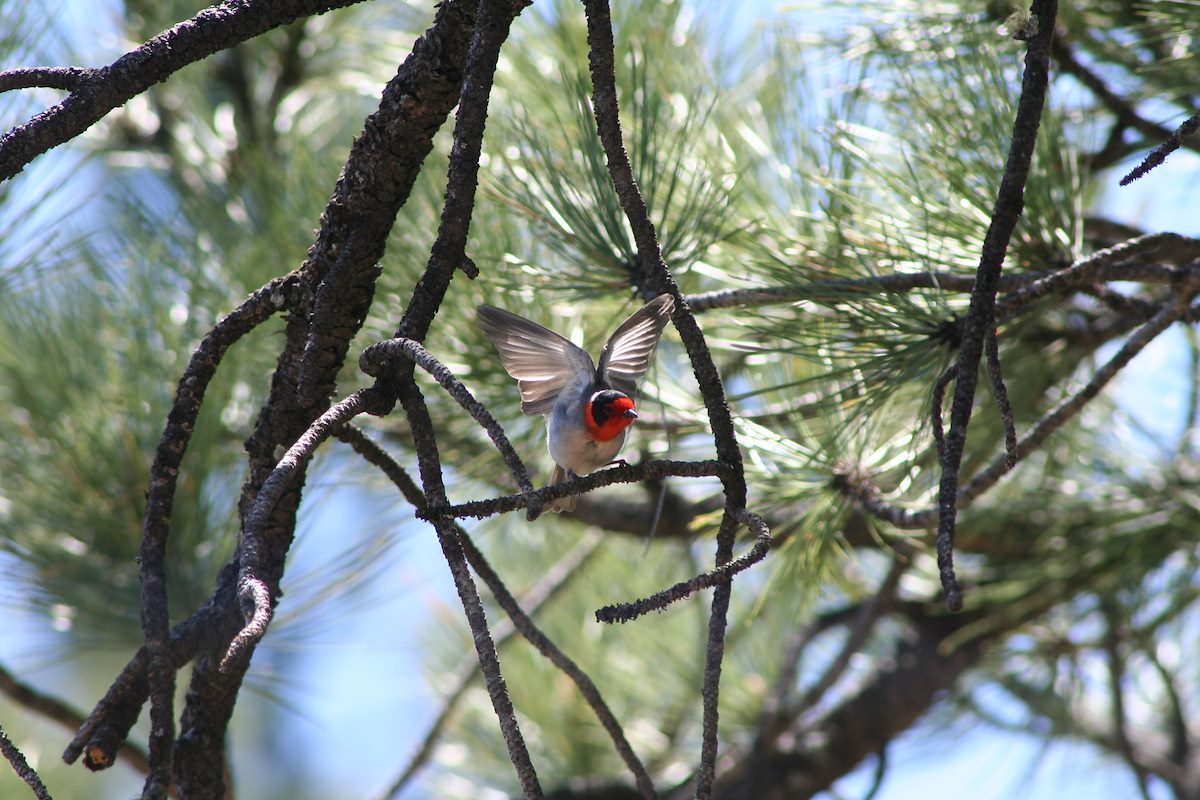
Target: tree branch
655,278
718,576
164,473
1159,154
495,17
981,314
68,78
254,586
22,768
380,353
101,90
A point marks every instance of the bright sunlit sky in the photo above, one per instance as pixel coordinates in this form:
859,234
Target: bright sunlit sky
350,737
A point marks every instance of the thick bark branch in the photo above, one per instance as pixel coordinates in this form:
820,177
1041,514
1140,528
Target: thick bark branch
214,29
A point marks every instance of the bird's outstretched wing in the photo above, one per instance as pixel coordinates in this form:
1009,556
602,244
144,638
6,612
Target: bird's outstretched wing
542,361
626,356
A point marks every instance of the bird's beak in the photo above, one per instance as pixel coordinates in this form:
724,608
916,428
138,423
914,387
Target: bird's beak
631,414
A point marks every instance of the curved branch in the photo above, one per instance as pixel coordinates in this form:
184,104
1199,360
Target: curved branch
373,362
655,278
214,29
160,496
254,589
448,254
1010,200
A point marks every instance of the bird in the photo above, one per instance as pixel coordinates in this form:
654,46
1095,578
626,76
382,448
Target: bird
588,407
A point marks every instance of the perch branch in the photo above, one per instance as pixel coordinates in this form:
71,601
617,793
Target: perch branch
628,473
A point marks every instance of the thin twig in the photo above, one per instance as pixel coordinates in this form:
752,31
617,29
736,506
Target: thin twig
558,658
1067,409
1000,394
555,579
22,768
867,495
106,728
1010,200
719,576
374,360
1159,154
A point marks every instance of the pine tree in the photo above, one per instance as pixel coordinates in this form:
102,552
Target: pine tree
879,223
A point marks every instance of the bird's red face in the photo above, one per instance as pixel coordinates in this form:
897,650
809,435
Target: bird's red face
608,413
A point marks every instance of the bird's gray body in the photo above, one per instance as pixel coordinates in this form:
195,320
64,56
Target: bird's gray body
571,444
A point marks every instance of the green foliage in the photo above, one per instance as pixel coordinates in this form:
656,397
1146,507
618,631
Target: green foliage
809,167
